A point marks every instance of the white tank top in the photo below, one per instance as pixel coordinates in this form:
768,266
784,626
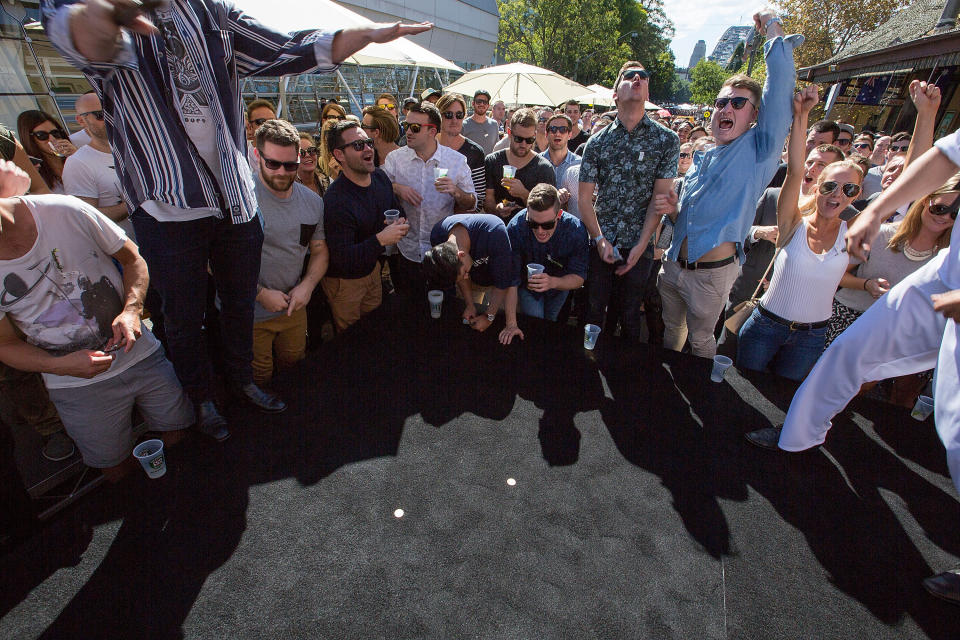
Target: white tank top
804,282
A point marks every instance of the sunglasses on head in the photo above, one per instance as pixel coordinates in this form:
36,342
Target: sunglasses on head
546,226
556,129
899,148
944,209
387,106
98,114
259,121
685,155
313,151
358,145
850,189
450,115
413,127
519,139
630,74
738,102
274,165
59,134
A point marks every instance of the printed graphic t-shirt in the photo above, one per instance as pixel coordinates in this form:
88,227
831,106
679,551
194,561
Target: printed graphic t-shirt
64,293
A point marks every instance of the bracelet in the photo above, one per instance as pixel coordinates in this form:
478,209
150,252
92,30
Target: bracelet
598,238
766,27
865,283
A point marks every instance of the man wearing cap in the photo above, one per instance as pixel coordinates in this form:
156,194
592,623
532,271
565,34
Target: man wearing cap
430,95
478,127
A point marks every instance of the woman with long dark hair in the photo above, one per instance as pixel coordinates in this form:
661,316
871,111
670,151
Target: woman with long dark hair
48,141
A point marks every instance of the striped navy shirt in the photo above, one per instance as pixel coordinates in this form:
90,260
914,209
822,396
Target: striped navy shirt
155,158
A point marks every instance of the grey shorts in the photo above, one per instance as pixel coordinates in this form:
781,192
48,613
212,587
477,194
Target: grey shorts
99,416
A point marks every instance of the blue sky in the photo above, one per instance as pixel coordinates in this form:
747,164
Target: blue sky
703,20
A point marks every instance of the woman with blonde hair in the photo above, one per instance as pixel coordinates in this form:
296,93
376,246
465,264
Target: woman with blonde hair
453,110
309,173
328,164
384,129
787,329
332,111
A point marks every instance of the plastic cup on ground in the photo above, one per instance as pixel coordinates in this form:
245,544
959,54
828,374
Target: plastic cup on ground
533,269
922,410
151,457
590,334
509,171
720,366
435,296
439,172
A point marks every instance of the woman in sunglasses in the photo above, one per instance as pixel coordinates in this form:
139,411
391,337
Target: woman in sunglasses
45,139
308,173
453,110
332,111
786,331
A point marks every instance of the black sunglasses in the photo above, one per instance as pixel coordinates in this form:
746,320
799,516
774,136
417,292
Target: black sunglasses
555,129
861,145
738,103
59,134
546,226
899,148
850,189
275,165
413,127
630,74
944,209
309,150
358,145
98,114
333,116
519,139
259,121
685,155
450,115
844,142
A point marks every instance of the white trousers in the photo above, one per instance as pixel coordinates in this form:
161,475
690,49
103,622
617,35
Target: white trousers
899,334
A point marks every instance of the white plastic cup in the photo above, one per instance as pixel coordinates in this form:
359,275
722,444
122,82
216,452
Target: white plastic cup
922,410
509,171
435,296
391,216
439,172
150,455
533,269
720,366
590,334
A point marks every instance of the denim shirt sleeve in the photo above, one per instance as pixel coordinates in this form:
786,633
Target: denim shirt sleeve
776,103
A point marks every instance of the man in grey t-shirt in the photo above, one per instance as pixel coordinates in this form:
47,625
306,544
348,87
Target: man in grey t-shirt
478,127
292,224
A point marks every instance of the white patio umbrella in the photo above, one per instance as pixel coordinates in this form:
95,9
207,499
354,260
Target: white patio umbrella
293,15
518,83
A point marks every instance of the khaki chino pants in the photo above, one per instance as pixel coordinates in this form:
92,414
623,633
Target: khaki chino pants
284,335
692,303
352,298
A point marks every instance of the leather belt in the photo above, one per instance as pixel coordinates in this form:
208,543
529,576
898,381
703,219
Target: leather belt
794,326
694,266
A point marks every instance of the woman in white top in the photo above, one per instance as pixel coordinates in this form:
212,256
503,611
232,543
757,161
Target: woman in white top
786,331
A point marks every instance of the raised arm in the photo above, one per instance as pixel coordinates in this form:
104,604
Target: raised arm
926,98
788,209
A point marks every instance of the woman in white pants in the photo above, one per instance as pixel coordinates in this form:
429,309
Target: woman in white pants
918,322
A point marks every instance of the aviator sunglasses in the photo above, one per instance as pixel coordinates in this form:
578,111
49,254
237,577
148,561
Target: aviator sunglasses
850,189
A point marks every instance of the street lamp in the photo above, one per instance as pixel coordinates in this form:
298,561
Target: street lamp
576,68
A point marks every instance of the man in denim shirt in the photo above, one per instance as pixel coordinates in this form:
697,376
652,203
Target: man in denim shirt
720,192
627,163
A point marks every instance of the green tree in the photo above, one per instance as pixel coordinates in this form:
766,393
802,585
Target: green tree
680,90
705,81
830,25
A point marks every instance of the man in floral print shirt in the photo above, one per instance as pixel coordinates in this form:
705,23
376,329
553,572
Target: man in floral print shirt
627,164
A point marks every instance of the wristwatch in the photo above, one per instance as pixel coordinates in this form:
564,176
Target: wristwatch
491,317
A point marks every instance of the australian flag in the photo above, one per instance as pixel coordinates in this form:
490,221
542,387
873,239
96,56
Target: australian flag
873,89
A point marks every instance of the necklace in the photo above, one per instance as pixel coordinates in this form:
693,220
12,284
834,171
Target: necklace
917,256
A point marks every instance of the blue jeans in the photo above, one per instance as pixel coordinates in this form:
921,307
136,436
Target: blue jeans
545,305
177,254
763,343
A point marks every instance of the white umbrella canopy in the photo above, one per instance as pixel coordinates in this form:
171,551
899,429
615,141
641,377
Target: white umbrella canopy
518,83
603,97
293,15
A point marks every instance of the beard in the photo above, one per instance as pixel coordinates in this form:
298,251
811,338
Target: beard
281,182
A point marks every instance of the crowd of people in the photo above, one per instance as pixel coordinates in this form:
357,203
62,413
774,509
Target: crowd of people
653,230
